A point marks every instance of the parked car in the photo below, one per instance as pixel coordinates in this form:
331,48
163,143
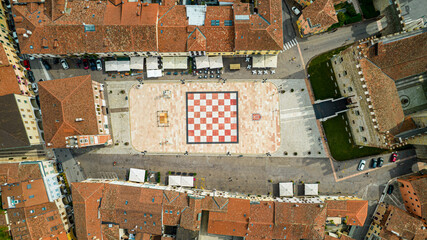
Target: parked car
393,157
380,162
85,64
374,163
390,189
99,65
38,101
46,64
31,76
361,166
64,64
35,87
92,65
27,65
296,11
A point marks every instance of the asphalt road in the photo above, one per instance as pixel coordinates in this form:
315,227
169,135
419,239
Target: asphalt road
259,175
288,30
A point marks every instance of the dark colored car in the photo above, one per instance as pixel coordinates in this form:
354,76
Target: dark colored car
46,64
85,64
374,163
27,65
92,65
380,162
393,157
38,101
390,189
31,76
55,60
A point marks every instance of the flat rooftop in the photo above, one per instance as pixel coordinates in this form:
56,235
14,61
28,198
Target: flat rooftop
205,117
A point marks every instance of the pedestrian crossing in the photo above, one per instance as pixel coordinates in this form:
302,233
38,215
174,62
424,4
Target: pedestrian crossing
290,44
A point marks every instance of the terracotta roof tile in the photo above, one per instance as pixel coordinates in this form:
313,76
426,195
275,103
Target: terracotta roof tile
8,81
355,210
86,202
234,222
8,173
64,100
384,97
400,58
42,221
320,12
405,225
419,184
29,193
110,231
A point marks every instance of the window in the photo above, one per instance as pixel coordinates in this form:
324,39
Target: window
49,219
126,220
31,196
357,112
28,186
43,209
145,214
124,212
31,211
151,215
54,228
126,203
89,28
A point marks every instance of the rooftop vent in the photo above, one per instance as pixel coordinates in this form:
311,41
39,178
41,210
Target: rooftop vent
25,35
79,119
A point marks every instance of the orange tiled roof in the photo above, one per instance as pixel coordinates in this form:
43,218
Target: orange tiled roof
320,12
400,58
63,101
131,27
234,222
384,97
355,210
8,82
42,221
86,203
405,225
28,193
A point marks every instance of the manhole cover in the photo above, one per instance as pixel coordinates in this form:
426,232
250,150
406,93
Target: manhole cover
404,100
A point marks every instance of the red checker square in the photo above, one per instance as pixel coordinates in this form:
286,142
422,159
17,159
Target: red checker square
209,124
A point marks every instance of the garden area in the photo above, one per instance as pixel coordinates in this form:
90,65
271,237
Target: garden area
323,83
346,14
321,78
338,141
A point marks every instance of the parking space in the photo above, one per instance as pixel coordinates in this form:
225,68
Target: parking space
392,195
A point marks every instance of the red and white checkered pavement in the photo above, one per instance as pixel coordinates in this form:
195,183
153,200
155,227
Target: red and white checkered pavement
212,117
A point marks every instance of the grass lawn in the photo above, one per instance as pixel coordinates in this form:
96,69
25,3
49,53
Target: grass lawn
4,233
320,76
339,145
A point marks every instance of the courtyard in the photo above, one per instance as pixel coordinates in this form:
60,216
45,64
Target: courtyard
238,117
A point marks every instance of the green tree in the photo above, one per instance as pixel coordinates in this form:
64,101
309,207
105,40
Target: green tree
341,17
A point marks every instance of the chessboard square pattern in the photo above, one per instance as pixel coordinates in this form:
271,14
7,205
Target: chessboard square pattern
212,117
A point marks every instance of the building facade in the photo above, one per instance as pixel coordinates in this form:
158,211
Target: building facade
19,123
413,191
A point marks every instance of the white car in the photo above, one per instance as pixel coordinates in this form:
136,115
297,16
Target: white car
99,65
296,11
361,166
64,64
35,87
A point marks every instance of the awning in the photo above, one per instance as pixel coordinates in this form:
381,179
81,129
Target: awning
137,175
202,62
111,66
123,66
184,181
152,63
154,73
175,63
311,189
215,62
286,189
174,180
264,61
137,63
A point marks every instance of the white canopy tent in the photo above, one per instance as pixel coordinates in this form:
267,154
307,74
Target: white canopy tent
174,62
264,61
174,180
270,61
137,63
216,62
123,66
258,61
183,181
137,175
202,62
187,181
111,66
152,73
152,63
311,189
286,189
